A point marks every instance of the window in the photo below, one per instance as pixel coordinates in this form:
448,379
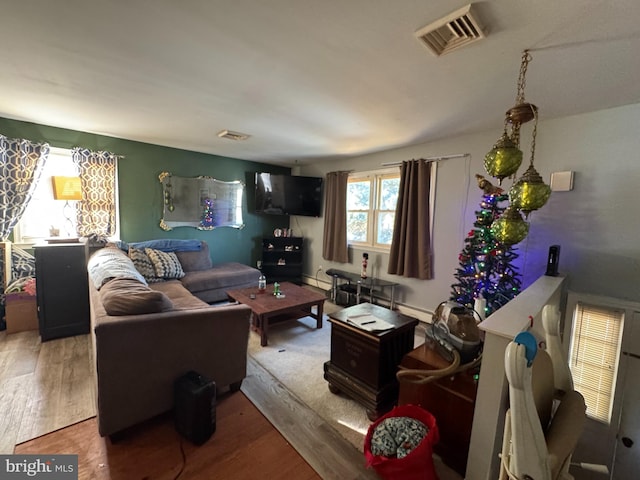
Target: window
593,356
371,208
43,212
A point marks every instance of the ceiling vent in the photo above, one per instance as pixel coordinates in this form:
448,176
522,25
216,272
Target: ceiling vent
456,30
233,135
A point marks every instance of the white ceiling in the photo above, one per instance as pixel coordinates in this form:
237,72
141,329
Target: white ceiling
307,79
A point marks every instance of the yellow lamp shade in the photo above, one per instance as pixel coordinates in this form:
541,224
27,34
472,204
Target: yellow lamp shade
529,193
510,228
504,159
66,188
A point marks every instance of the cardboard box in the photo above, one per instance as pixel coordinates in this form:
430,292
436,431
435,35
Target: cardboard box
21,312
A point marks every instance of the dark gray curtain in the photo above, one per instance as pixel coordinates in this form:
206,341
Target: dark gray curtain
97,211
334,242
21,163
410,254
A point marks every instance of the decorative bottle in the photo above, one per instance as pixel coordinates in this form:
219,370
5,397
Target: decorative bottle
365,260
262,283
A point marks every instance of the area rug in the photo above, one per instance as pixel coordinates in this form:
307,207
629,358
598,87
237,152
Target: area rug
295,355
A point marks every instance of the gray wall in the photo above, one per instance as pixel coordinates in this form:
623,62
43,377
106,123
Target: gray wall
597,224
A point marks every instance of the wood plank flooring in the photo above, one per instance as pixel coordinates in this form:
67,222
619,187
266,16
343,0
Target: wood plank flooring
43,386
47,386
245,445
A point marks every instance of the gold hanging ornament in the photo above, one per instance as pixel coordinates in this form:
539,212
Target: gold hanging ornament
510,228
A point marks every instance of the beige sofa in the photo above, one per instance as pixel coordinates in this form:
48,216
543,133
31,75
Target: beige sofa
146,336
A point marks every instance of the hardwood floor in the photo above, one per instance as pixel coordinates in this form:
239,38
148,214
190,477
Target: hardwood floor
245,445
43,386
47,386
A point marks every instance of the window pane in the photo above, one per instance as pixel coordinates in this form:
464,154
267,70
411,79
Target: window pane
389,188
358,195
595,349
43,212
357,226
385,227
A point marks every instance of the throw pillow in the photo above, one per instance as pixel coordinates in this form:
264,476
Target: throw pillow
125,296
166,264
144,265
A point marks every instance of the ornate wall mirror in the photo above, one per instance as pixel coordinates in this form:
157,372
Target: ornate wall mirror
201,202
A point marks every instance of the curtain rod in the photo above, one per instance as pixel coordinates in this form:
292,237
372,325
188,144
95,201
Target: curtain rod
443,157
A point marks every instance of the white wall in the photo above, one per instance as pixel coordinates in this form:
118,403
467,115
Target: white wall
597,224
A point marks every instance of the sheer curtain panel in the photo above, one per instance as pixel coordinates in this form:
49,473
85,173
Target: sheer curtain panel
410,254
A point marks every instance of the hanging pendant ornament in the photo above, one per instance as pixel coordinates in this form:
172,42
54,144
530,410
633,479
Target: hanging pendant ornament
510,228
530,192
504,159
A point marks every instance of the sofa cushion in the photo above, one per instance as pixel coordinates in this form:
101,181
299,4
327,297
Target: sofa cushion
111,262
126,296
166,264
192,261
144,265
226,275
181,298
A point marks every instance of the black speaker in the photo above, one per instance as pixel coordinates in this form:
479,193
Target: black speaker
553,261
195,407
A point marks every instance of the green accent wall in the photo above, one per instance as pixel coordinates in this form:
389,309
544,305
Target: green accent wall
140,192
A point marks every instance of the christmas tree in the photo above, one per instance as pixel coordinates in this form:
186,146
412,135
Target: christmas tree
486,267
207,220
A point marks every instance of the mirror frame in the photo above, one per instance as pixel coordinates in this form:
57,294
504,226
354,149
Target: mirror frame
182,206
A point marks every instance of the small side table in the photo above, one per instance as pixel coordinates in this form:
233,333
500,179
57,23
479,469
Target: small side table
363,364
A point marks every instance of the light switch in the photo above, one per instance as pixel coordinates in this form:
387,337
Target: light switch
562,181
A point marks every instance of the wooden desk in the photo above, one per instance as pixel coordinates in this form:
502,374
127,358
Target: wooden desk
364,364
451,400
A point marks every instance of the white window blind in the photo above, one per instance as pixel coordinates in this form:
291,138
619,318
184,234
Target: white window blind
594,352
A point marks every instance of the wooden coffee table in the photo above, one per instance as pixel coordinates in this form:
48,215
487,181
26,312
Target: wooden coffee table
268,309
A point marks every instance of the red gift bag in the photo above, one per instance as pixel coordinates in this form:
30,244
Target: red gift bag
418,464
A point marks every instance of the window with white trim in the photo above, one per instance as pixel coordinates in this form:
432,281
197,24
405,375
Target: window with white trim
371,207
44,214
594,354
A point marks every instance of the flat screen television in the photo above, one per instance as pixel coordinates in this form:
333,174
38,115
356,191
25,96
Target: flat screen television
278,194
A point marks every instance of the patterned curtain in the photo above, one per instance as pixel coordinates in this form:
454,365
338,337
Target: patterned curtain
96,212
21,163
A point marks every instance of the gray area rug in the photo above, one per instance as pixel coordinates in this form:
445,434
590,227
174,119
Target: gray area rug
295,355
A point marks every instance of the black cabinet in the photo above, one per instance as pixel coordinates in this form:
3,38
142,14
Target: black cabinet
282,259
62,289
